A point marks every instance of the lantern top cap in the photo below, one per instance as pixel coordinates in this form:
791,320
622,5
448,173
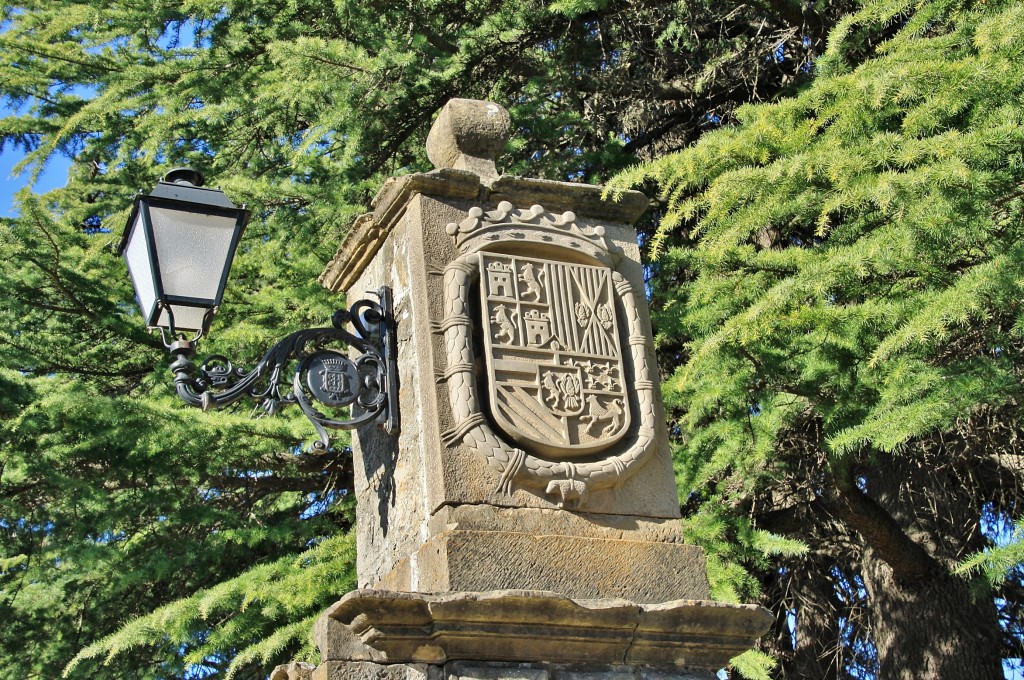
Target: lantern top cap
186,184
184,176
183,186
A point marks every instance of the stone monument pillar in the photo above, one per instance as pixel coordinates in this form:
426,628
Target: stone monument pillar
524,523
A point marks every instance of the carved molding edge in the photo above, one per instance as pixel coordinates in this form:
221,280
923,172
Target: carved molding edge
297,670
528,625
369,231
624,207
481,229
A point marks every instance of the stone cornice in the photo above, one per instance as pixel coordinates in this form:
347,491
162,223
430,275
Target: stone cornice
529,625
369,231
586,200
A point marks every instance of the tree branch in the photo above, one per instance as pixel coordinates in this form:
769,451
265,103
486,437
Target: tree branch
908,559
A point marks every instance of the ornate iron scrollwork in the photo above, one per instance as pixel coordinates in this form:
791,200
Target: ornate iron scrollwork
367,384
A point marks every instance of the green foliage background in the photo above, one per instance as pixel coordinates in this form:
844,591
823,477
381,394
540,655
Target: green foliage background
845,319
836,282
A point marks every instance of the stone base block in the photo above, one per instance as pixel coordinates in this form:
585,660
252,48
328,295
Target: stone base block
462,670
465,670
367,670
575,566
535,626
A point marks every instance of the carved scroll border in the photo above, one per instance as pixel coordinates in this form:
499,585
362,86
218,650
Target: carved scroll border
568,482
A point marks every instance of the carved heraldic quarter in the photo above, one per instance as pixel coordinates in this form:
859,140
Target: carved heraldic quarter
573,408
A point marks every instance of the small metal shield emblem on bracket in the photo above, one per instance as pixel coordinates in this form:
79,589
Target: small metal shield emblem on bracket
332,378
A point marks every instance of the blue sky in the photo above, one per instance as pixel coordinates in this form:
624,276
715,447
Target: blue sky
55,175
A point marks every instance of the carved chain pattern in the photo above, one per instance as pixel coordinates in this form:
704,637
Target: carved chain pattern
570,482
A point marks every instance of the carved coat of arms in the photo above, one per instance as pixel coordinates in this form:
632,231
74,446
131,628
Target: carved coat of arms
553,354
569,401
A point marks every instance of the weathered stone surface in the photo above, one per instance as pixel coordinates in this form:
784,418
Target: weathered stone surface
712,630
608,673
541,521
645,673
632,477
365,670
534,626
577,567
475,670
299,670
339,642
369,231
532,465
401,482
469,134
470,670
462,670
582,199
628,673
398,480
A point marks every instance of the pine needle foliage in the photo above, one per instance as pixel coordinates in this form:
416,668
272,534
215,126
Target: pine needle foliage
998,562
837,281
141,539
267,607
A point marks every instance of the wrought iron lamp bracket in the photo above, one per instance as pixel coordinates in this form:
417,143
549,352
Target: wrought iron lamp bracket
308,368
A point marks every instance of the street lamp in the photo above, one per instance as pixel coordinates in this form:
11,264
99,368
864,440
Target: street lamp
179,243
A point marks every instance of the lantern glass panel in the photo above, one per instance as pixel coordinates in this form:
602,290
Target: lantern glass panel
186,318
194,252
140,266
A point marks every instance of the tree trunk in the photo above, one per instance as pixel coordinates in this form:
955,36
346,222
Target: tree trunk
917,521
931,628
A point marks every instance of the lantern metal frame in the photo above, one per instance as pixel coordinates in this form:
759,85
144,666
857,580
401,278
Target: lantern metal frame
367,383
181,191
165,300
314,368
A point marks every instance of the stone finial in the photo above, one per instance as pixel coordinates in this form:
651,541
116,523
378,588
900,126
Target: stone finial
469,134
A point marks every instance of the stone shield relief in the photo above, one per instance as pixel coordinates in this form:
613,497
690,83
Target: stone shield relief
567,402
552,354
